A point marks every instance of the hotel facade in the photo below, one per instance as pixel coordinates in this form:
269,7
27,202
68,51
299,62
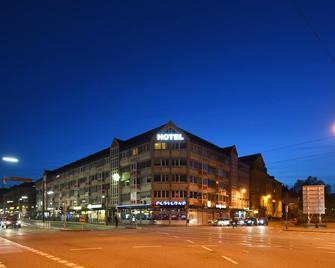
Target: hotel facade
164,176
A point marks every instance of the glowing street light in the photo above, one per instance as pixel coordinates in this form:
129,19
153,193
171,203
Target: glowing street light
243,191
10,159
116,177
50,192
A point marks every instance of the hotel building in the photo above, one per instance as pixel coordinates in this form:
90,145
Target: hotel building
165,176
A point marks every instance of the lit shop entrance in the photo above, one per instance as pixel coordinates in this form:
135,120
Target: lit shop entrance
169,212
135,214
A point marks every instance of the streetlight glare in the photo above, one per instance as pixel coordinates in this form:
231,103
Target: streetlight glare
10,159
116,177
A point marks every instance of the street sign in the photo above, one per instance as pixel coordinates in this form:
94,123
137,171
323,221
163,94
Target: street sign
313,199
82,219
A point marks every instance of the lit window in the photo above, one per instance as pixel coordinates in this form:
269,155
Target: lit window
135,151
158,146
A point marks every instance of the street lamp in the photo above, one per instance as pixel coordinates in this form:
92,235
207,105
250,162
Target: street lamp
116,177
10,159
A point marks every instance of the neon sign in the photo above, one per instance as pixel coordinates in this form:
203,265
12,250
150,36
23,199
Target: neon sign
170,137
170,203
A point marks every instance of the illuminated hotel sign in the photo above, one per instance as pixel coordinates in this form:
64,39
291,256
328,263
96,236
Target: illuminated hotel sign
170,203
170,137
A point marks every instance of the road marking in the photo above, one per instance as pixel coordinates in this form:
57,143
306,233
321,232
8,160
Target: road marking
209,249
84,248
51,257
325,247
190,241
147,246
229,259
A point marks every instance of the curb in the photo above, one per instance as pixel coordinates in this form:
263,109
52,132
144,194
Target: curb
305,231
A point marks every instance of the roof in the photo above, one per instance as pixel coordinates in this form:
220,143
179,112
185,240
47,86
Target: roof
250,159
226,150
98,155
141,138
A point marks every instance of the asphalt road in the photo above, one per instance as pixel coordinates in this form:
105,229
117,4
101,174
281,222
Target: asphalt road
167,247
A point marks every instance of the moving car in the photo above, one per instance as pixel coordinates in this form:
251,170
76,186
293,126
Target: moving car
222,222
10,222
251,221
263,221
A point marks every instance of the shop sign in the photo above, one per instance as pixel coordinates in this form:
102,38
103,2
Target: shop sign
169,137
220,206
94,206
170,203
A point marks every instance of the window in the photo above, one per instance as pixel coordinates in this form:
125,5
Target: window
161,162
160,146
161,178
179,178
212,183
134,151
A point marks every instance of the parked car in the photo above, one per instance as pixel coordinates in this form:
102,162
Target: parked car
10,222
251,221
222,222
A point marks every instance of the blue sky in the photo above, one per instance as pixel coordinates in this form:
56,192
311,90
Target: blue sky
75,74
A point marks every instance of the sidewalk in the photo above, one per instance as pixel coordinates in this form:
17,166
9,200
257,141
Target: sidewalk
329,228
70,226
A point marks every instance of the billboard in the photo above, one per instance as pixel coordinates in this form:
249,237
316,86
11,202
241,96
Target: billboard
313,199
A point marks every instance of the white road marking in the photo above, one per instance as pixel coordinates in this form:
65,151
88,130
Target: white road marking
229,259
190,241
85,248
209,249
326,247
147,246
51,257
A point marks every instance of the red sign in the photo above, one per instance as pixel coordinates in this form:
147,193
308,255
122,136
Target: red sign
82,219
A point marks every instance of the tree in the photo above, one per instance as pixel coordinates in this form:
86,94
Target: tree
297,187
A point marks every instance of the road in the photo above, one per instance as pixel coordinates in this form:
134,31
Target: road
157,246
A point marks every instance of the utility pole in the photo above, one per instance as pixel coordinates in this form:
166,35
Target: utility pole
44,182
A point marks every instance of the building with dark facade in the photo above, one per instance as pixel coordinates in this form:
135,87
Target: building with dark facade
165,175
19,199
265,191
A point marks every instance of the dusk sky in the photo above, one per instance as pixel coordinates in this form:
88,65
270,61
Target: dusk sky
75,74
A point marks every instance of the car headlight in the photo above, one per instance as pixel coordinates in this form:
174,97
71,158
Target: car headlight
18,222
261,221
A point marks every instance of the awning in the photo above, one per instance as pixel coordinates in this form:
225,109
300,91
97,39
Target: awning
134,206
